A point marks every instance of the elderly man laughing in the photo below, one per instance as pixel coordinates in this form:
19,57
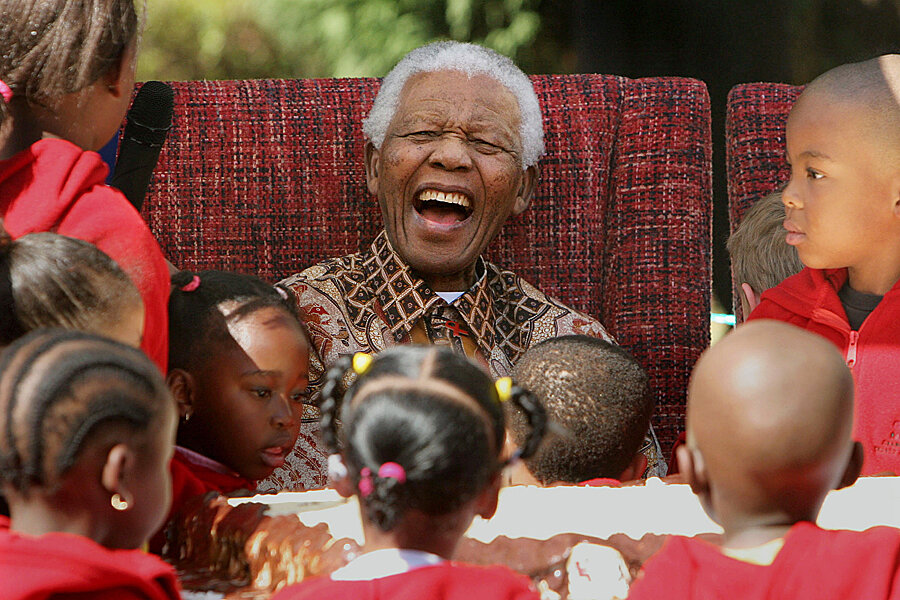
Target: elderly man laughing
453,140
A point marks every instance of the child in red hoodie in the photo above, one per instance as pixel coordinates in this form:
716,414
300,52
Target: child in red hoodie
239,371
843,216
422,440
769,418
86,434
66,77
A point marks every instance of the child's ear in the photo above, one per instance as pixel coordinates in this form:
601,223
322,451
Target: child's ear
486,503
117,475
854,467
752,298
118,79
635,469
181,384
693,469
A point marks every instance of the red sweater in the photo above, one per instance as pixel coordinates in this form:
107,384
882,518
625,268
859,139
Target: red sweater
809,300
446,581
39,567
813,563
190,479
56,186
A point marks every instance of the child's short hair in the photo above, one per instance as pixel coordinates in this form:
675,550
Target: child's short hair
432,412
50,280
60,388
760,256
597,392
49,48
194,318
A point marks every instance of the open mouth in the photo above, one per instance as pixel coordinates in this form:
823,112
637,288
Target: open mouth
274,457
443,208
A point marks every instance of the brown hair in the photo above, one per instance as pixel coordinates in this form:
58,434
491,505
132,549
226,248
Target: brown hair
50,48
50,280
760,256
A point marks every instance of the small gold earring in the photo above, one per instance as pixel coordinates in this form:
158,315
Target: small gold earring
187,415
118,502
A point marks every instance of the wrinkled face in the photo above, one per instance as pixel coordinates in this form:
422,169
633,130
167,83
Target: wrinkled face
449,173
839,202
249,395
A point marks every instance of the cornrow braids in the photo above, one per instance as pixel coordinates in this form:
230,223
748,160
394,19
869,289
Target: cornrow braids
195,320
50,48
433,415
50,280
60,388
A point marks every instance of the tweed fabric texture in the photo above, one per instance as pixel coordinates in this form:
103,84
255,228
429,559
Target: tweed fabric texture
267,177
755,147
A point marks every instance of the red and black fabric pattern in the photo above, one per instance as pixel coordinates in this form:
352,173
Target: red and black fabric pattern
267,177
755,145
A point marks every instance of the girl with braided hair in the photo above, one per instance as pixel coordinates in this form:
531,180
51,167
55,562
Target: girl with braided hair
87,428
421,446
239,371
66,79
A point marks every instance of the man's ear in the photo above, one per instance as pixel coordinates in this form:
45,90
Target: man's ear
181,384
117,475
636,468
373,167
486,503
526,189
854,467
692,469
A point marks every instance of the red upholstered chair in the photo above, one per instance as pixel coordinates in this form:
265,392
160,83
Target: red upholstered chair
266,177
755,144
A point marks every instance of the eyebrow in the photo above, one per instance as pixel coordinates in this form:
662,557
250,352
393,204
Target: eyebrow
814,154
260,372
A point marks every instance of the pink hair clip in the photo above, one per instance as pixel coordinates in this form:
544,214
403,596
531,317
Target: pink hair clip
392,470
365,482
6,92
192,285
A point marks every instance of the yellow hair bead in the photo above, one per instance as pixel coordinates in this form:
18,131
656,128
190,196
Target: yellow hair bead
504,388
361,362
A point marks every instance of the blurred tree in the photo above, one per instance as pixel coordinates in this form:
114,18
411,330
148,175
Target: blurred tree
318,38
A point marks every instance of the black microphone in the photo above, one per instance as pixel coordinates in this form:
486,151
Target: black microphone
146,125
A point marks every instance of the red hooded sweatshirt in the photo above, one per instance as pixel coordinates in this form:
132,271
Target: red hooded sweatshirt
39,567
809,300
56,186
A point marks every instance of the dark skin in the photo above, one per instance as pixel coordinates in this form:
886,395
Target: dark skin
436,534
87,118
458,137
245,399
116,461
767,442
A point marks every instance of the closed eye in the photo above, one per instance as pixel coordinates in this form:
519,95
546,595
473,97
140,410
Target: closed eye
422,136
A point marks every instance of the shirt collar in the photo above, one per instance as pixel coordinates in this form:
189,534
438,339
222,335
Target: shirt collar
404,297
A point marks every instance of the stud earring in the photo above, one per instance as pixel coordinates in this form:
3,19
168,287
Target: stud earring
187,415
118,502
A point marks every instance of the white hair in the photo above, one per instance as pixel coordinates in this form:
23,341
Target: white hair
472,60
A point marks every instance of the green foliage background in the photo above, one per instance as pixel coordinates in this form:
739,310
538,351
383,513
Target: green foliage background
236,39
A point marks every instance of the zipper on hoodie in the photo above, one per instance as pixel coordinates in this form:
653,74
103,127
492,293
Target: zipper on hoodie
851,349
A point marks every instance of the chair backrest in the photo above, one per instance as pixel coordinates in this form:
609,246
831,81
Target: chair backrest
755,146
267,177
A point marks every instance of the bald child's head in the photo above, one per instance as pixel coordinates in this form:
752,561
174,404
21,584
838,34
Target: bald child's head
770,414
869,89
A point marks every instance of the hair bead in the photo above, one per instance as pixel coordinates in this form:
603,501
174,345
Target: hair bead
504,388
191,285
361,362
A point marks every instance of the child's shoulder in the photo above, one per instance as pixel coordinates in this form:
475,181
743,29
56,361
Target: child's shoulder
61,562
446,581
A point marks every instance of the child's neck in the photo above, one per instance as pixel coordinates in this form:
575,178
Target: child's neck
877,280
25,127
38,517
417,531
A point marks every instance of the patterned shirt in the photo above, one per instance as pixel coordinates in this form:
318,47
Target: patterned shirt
369,301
